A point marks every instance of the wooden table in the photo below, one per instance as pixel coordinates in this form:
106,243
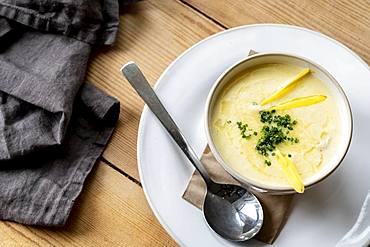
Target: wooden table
112,209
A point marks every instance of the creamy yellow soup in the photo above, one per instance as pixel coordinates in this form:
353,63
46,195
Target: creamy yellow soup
317,128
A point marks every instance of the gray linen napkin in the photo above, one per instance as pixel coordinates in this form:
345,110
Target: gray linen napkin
52,126
91,21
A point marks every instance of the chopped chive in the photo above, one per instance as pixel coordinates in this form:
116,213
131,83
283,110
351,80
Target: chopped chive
244,132
274,131
268,163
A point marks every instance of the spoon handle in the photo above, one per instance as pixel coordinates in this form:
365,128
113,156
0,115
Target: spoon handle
137,80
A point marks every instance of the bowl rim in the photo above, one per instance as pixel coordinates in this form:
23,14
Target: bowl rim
243,179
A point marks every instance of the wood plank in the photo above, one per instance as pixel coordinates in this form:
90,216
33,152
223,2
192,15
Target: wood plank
112,211
152,33
347,21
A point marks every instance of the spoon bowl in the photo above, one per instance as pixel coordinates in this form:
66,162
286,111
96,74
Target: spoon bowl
230,210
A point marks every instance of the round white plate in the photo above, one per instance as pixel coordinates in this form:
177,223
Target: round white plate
322,215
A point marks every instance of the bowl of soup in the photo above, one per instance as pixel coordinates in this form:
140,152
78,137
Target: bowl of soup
278,123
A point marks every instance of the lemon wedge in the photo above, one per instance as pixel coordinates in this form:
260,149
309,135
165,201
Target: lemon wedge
286,88
299,102
290,172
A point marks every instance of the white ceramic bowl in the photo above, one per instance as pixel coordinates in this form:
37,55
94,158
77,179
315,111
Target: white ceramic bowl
323,75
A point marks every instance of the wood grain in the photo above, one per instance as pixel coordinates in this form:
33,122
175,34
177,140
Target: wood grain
152,33
344,20
112,211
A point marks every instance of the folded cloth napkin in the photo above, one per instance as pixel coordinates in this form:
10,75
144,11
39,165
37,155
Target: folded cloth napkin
91,21
52,126
275,207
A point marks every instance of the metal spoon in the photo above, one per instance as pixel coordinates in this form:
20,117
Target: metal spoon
230,210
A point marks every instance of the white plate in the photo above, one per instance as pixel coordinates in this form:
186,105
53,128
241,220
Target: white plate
323,214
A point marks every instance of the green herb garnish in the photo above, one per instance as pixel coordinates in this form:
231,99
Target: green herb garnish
274,131
284,121
244,132
266,116
280,120
271,136
228,121
268,163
